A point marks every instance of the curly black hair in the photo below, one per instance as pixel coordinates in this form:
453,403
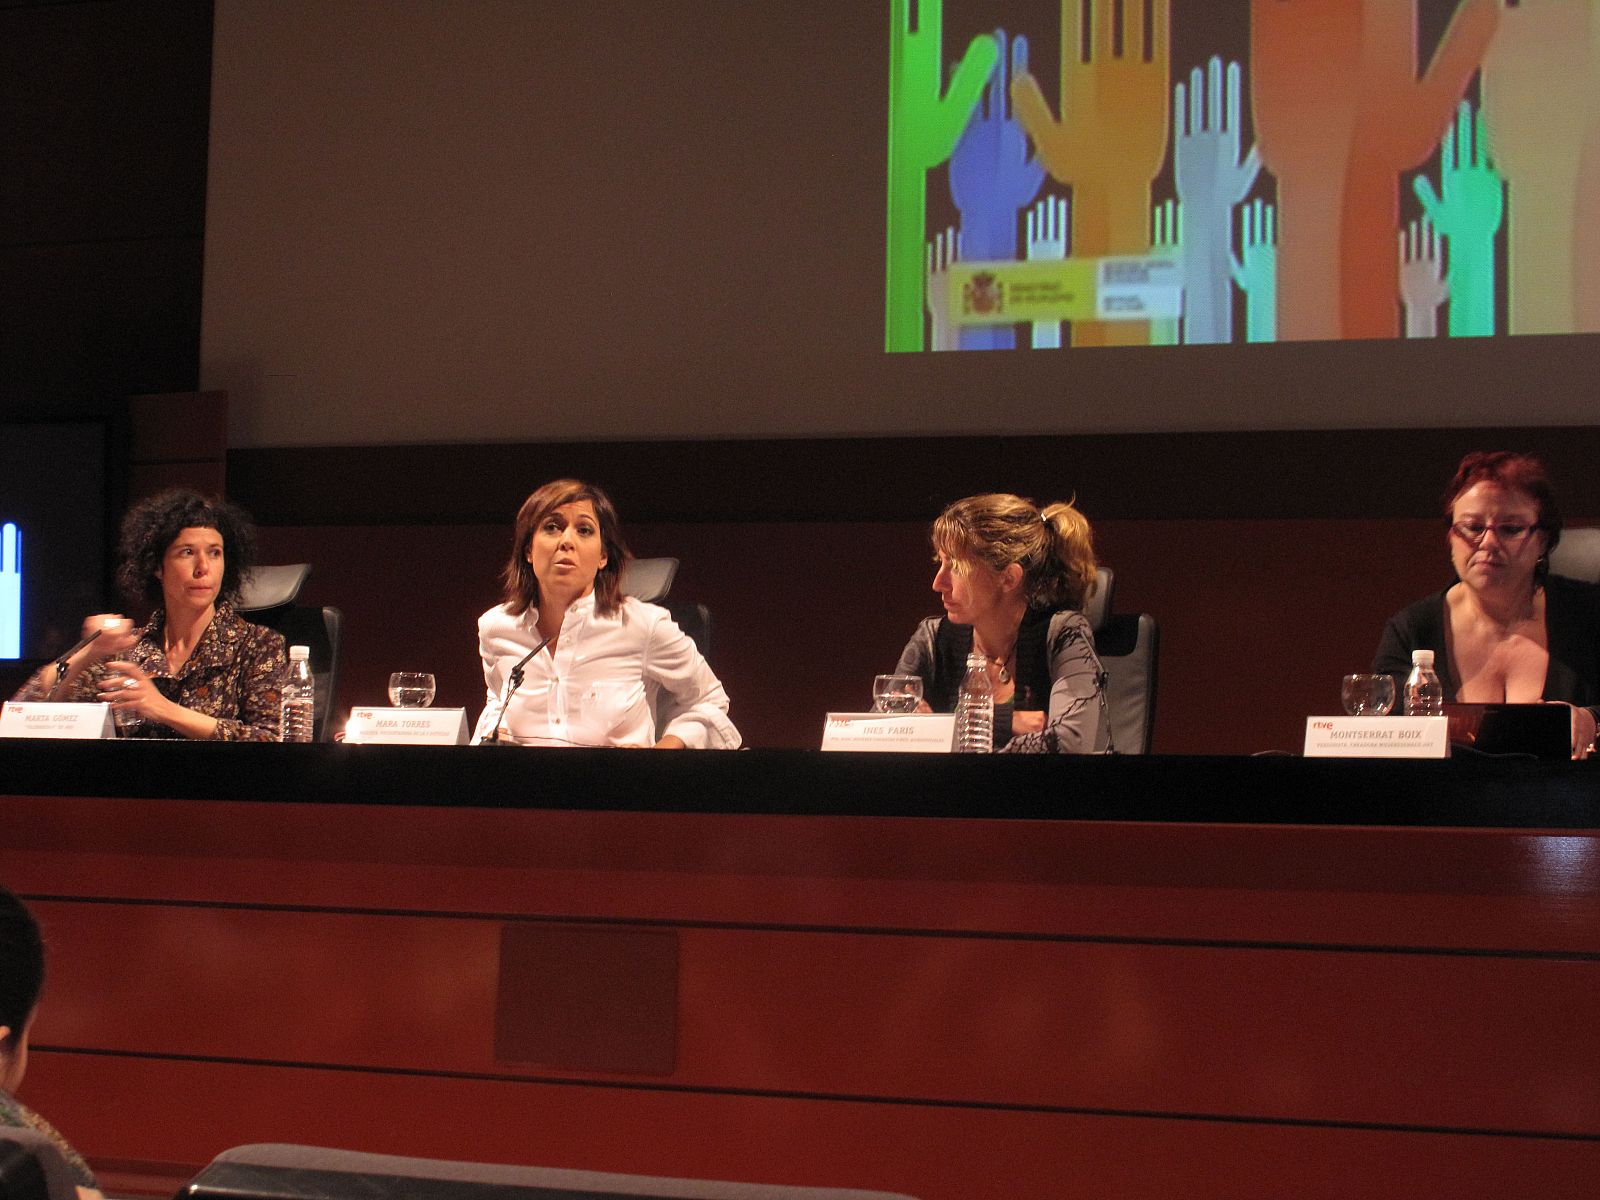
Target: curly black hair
21,967
153,524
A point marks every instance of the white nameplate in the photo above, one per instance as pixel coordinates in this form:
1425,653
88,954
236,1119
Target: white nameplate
407,726
905,733
20,719
1377,737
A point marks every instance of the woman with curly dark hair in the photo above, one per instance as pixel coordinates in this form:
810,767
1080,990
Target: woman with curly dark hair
196,669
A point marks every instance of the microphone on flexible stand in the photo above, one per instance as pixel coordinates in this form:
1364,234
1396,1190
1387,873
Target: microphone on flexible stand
61,663
513,682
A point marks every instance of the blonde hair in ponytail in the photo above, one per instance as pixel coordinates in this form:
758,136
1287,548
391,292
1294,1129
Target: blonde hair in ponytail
1055,548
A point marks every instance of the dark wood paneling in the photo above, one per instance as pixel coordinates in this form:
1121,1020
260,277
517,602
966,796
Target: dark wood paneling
1171,476
934,1153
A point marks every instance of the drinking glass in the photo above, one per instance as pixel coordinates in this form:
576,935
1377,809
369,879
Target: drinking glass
896,693
411,689
1368,695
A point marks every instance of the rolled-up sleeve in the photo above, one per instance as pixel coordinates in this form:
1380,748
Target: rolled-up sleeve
695,705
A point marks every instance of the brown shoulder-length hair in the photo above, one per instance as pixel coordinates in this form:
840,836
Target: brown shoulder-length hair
522,588
1513,471
1054,547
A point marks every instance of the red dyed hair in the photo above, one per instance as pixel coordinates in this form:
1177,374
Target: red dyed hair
1515,472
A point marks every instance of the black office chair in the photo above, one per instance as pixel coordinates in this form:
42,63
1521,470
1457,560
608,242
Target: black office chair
650,579
1097,605
31,1168
267,598
280,1172
1128,645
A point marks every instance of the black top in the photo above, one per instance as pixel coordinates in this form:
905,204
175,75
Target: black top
1572,628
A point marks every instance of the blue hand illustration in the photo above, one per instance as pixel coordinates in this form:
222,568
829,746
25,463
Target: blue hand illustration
1257,275
10,591
1211,181
992,178
1469,217
1166,239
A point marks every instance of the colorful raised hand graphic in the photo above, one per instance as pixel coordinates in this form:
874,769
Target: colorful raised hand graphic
1047,242
10,591
1339,113
1468,217
1111,138
1211,180
1539,103
1166,235
1257,273
924,124
992,178
1422,283
942,251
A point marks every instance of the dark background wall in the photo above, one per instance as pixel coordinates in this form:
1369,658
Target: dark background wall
1270,559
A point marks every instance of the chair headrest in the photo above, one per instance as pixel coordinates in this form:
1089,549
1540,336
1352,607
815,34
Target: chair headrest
649,579
268,587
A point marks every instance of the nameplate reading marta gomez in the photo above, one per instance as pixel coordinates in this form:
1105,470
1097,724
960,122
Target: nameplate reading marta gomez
407,727
1377,737
20,719
902,733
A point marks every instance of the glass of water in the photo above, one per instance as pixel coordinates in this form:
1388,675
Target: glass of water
1367,695
896,693
411,689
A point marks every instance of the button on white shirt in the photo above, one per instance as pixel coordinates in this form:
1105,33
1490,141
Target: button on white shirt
608,681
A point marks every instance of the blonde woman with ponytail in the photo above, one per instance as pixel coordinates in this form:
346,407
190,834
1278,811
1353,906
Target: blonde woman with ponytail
1013,581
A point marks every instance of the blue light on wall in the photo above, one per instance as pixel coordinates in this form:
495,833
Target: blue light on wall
10,591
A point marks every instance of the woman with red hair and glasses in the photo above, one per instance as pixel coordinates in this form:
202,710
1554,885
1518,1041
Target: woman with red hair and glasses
1507,629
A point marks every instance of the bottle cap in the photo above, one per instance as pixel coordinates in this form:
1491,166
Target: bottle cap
1422,658
299,652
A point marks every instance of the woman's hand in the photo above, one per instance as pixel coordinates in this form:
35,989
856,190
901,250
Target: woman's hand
129,690
116,635
924,707
1583,730
671,742
1027,721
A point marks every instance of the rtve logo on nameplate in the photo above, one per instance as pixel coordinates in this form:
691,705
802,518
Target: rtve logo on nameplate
903,733
407,727
1377,737
25,719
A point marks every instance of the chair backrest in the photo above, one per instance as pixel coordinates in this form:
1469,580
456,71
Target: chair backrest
311,1173
1577,555
1097,607
695,620
31,1168
1128,648
267,598
649,578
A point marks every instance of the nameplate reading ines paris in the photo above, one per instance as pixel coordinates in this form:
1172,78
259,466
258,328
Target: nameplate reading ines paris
22,719
1377,737
903,733
407,727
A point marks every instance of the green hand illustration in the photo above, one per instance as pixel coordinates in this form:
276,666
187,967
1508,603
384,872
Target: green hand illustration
1469,218
923,129
1257,275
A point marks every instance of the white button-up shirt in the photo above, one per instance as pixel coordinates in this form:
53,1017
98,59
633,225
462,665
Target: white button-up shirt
607,683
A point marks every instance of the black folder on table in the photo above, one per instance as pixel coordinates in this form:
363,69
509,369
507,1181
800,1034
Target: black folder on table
1534,730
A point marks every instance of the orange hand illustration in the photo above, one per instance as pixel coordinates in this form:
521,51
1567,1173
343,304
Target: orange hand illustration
1111,138
1539,106
1339,113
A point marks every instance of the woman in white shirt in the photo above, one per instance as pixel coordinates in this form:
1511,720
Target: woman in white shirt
610,665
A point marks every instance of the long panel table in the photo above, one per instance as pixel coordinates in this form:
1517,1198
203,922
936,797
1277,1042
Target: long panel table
949,976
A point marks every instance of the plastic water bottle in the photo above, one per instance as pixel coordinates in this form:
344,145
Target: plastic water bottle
299,697
1424,693
975,709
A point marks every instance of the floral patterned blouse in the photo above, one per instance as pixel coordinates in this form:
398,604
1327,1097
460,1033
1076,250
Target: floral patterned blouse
18,1115
235,674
